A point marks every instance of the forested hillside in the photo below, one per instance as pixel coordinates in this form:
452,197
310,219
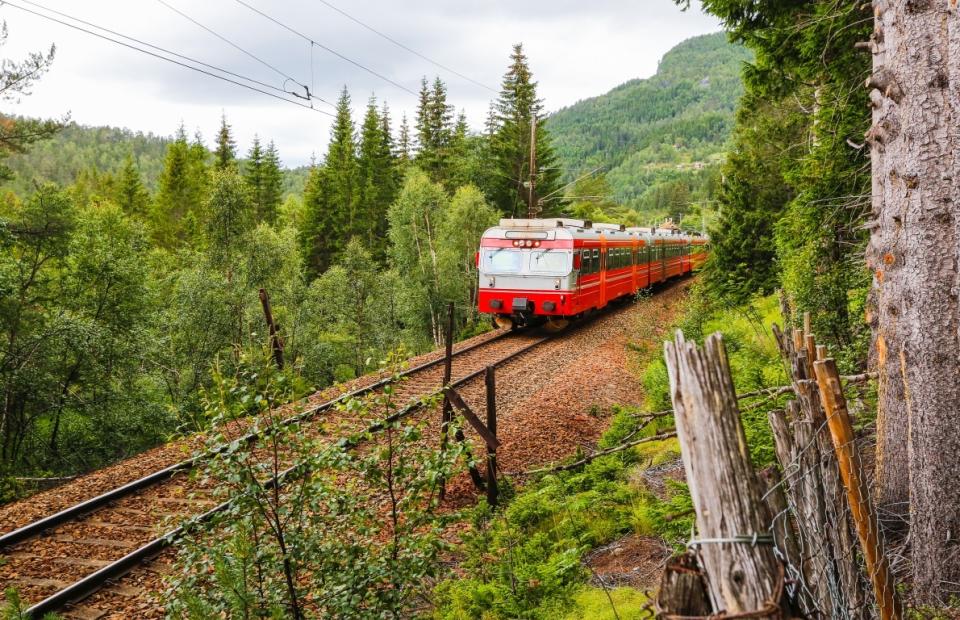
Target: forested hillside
659,138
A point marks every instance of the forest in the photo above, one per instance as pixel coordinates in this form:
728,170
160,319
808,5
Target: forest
125,285
813,140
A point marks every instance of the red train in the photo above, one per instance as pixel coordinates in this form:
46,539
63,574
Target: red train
548,271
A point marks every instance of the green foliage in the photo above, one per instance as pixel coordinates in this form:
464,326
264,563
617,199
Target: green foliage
180,196
225,155
515,111
319,547
795,188
657,135
229,219
525,562
264,177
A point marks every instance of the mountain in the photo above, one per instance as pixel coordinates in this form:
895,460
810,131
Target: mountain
659,139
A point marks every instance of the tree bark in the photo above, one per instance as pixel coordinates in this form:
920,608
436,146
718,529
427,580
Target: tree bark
916,72
892,469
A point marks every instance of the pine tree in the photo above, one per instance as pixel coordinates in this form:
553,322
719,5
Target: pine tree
181,189
226,154
370,174
131,195
424,136
321,234
341,165
516,108
264,178
332,195
404,143
271,193
434,130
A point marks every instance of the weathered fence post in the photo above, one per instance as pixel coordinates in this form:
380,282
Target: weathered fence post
806,454
447,413
858,493
275,343
743,574
492,490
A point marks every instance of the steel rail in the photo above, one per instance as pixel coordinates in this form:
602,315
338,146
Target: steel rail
85,507
94,581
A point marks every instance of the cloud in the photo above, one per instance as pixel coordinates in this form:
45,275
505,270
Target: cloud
577,49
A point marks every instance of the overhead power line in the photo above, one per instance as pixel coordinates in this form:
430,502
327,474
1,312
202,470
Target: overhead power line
167,51
160,56
404,47
324,47
237,47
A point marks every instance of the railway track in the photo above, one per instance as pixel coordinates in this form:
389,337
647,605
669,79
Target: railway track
61,559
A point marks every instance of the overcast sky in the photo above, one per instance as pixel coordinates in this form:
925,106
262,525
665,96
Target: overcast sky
577,49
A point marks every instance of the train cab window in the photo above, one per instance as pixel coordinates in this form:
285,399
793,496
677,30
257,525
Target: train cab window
503,260
555,262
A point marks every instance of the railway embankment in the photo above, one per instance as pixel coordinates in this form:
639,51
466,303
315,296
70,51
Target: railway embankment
553,400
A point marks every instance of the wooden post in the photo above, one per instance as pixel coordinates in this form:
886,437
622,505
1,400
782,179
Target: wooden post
858,493
447,413
743,575
275,343
491,382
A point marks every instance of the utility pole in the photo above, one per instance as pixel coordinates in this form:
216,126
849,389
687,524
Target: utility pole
531,184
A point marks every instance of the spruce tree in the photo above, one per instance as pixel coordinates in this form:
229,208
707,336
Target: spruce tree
226,154
271,193
264,178
341,165
370,174
320,235
435,130
404,142
131,195
516,107
181,190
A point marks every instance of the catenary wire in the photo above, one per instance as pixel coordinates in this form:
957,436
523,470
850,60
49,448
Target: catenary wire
237,47
155,55
405,47
324,47
167,51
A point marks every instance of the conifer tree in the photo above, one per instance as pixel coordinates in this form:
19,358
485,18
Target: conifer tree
272,191
320,238
264,179
404,142
434,130
516,107
226,153
131,195
371,172
181,190
341,165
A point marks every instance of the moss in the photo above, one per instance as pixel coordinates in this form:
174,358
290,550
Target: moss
594,604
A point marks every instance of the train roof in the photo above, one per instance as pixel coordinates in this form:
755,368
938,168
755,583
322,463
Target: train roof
567,228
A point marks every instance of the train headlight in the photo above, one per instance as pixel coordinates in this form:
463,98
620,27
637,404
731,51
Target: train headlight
556,284
529,243
492,281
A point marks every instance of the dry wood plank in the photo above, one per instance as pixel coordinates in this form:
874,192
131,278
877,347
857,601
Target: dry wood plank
488,437
741,577
858,492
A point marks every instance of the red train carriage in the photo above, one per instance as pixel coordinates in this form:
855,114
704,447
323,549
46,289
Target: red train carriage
552,270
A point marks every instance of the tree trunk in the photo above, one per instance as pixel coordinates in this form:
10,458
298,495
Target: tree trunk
892,469
915,83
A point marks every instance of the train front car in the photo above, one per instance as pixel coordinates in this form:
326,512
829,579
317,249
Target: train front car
527,273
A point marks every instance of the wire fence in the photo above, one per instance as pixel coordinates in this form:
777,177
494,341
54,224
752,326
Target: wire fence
833,558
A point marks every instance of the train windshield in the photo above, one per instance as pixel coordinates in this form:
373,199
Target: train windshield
550,261
503,260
